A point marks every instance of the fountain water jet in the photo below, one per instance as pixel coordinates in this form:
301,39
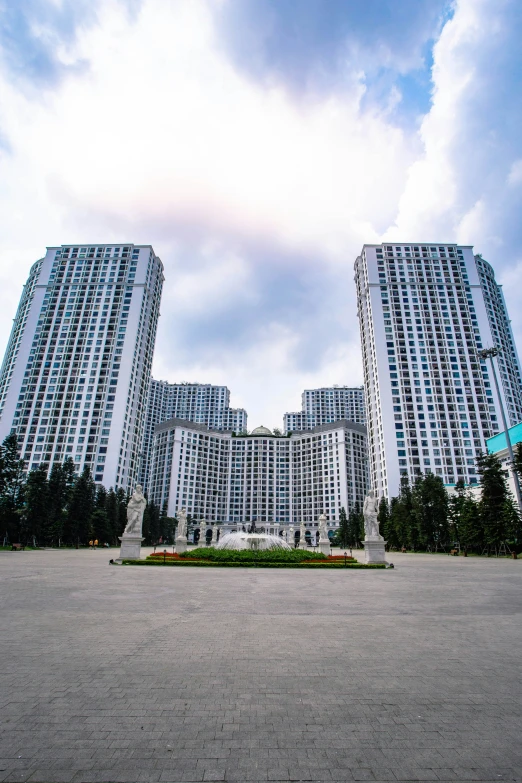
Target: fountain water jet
251,540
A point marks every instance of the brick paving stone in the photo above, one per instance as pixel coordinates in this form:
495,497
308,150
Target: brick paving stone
122,675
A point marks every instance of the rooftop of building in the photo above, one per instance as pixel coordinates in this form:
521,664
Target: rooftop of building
261,431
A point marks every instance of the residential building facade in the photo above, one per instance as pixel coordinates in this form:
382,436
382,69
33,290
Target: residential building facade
273,481
326,405
201,403
424,312
76,372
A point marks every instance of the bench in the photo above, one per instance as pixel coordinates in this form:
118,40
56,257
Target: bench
17,547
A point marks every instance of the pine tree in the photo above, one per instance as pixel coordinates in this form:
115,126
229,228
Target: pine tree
112,509
390,531
456,505
495,500
154,523
11,489
383,517
122,499
406,528
61,482
358,522
517,460
36,506
343,532
78,524
471,530
99,523
430,512
167,525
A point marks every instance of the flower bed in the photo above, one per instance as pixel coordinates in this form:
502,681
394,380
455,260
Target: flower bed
275,558
191,562
249,557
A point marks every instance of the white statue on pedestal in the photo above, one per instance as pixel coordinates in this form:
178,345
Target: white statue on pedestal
324,540
374,543
291,536
181,532
135,511
323,529
131,539
370,513
302,535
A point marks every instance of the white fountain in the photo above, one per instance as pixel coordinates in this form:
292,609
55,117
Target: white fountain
251,540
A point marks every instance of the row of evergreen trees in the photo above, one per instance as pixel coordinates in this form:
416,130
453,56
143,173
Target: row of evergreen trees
425,517
64,508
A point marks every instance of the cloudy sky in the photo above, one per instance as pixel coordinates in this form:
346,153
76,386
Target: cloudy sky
257,144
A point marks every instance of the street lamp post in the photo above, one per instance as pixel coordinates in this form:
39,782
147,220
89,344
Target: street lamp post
490,353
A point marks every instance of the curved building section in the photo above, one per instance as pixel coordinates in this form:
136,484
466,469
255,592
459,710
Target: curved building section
271,480
11,372
500,325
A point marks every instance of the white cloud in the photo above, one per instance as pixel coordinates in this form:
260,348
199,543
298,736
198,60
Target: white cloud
256,202
161,141
515,173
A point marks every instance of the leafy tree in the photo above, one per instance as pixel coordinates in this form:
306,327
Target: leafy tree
35,512
343,533
78,523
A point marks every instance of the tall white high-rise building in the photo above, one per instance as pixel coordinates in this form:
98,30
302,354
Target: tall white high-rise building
201,403
76,372
424,312
326,405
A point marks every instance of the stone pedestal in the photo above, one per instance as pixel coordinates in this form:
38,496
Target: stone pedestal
130,547
181,544
374,551
324,546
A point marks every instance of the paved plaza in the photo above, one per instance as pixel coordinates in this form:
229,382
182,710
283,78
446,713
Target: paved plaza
213,674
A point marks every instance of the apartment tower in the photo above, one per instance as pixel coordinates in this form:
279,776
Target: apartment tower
326,405
76,372
424,313
201,403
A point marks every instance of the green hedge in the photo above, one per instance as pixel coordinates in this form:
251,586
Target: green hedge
248,555
245,564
